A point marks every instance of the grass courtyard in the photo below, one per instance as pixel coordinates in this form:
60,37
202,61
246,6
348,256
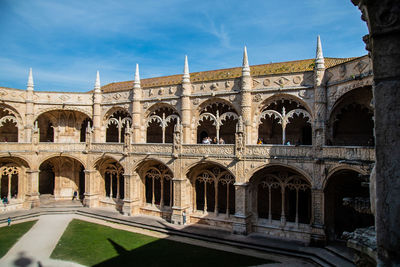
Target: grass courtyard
9,235
97,245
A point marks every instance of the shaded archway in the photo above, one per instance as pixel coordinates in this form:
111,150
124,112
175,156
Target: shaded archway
8,126
160,125
284,121
351,121
113,185
339,216
217,119
61,177
213,189
280,195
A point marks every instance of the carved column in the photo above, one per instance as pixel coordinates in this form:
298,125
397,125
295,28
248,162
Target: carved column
186,105
383,19
32,192
242,213
131,197
136,108
91,199
97,116
29,109
317,217
179,201
245,105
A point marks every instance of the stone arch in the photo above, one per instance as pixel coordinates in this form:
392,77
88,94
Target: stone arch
212,189
187,169
351,119
157,188
160,120
116,120
61,125
19,160
61,176
340,168
284,119
53,155
13,178
280,195
216,118
346,202
66,108
282,96
8,131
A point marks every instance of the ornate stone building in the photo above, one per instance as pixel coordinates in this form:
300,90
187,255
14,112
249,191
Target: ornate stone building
137,146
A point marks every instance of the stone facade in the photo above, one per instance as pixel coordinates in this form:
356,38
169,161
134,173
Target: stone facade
137,146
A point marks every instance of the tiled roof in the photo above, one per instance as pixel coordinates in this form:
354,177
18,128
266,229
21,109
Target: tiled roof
212,75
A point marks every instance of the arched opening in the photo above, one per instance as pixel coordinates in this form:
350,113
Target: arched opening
344,187
160,125
218,122
9,181
285,121
86,122
213,189
61,126
116,124
113,174
8,126
60,177
158,184
280,195
351,122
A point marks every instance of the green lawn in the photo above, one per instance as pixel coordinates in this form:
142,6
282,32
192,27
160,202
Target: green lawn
9,235
96,245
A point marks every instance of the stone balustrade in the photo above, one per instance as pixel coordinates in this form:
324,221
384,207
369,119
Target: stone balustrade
201,150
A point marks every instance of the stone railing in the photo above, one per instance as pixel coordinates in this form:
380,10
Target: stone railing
208,150
50,147
349,153
271,151
107,147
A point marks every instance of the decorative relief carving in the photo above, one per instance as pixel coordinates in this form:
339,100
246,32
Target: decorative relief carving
257,98
196,101
151,92
232,98
282,81
342,70
255,83
3,93
117,96
203,86
297,80
174,102
214,86
304,94
161,91
266,82
227,84
208,150
64,97
360,66
145,105
172,90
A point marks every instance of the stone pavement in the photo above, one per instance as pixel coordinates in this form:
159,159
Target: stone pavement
36,246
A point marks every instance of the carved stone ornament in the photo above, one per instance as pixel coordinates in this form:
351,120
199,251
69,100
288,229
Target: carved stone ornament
117,96
257,98
214,86
304,94
255,83
3,93
297,79
227,84
171,90
342,70
151,92
360,66
161,91
232,98
282,81
196,101
174,102
267,82
64,97
145,105
203,86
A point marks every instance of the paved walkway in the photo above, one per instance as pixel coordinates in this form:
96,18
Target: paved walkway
36,246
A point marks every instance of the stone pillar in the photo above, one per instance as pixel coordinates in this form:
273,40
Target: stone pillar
186,105
179,203
131,197
32,193
242,213
29,114
318,237
245,104
384,44
97,111
319,98
91,199
136,108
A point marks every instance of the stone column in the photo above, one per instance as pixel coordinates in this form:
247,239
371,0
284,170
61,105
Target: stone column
179,202
186,105
91,199
383,19
242,213
318,237
32,193
29,114
131,197
319,98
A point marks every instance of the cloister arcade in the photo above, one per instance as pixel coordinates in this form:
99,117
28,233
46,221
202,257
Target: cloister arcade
116,122
8,125
217,119
351,120
283,120
280,195
160,124
111,179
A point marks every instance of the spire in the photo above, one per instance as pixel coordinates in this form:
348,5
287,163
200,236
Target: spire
319,59
245,66
186,75
97,83
29,85
136,82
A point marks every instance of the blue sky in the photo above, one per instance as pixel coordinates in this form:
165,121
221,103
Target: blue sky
65,42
